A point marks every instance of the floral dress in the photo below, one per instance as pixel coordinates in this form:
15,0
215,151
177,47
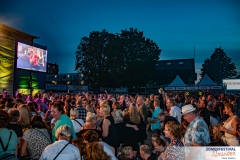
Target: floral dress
175,151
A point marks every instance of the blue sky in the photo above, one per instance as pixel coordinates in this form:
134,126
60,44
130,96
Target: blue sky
176,26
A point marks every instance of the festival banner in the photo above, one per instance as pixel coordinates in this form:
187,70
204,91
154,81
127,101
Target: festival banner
7,54
169,88
180,88
212,153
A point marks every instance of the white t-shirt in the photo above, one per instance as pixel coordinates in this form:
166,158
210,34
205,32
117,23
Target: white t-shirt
70,152
176,112
76,125
108,150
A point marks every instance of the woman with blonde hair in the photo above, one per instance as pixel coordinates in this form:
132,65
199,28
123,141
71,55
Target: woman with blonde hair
131,123
118,117
103,102
127,153
77,123
24,119
230,126
89,108
109,132
91,124
217,135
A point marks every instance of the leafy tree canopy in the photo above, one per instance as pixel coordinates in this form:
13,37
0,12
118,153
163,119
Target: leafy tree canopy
219,66
115,60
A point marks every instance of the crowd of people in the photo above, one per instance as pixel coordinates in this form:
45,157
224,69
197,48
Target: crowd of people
107,126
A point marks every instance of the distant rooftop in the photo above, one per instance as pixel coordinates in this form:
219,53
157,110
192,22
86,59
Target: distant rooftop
175,63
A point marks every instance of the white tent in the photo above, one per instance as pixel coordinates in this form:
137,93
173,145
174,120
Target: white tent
177,82
206,81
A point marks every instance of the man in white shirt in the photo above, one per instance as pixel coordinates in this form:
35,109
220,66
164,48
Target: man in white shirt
174,110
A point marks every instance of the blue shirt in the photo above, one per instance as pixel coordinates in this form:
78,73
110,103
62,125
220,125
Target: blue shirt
156,125
5,134
197,132
63,120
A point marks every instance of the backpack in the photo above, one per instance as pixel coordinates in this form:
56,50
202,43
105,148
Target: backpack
7,156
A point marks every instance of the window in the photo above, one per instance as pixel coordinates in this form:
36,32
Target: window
169,63
180,63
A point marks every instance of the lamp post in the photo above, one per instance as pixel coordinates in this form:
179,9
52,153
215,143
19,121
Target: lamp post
30,82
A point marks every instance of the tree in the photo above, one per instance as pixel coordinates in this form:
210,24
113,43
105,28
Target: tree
219,66
115,60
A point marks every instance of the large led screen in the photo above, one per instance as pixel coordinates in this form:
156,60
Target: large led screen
231,84
31,58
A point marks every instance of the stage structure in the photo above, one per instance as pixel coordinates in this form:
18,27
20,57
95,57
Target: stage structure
22,62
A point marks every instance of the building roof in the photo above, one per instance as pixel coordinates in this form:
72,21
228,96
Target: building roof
4,29
177,82
206,81
175,64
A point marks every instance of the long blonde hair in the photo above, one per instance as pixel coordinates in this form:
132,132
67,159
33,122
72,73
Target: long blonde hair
24,118
134,114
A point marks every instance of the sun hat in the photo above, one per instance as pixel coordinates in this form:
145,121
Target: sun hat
187,108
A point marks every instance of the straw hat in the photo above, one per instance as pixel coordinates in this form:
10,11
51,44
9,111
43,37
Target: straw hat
187,108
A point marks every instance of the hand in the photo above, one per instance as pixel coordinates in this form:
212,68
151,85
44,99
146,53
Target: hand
154,151
135,127
223,129
149,120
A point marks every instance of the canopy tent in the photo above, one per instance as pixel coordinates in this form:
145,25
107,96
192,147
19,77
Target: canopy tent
177,82
206,81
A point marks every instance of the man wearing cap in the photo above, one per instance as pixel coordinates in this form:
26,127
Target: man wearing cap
197,133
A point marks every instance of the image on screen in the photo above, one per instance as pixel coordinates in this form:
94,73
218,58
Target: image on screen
31,58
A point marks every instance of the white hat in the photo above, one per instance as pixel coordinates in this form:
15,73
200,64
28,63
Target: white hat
187,108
